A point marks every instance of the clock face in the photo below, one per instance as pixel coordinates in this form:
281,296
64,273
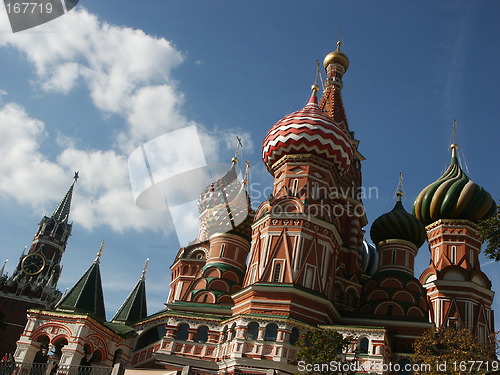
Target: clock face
33,264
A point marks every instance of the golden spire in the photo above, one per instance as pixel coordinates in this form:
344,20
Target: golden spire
247,171
99,253
400,189
238,146
454,145
143,276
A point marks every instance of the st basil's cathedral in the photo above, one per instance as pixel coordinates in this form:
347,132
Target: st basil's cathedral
254,281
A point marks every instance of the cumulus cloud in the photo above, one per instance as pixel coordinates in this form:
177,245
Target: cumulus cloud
127,74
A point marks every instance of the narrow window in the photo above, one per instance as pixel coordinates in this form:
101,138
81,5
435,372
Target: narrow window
363,345
453,256
295,187
277,273
393,256
471,257
222,250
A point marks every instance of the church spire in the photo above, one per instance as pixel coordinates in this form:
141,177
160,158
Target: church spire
336,64
61,213
134,308
86,295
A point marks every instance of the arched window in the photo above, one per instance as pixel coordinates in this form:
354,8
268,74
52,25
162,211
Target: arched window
58,345
150,336
363,346
118,356
271,333
182,332
202,334
253,331
294,336
224,335
96,357
232,332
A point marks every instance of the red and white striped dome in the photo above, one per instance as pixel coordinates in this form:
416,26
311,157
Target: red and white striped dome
308,131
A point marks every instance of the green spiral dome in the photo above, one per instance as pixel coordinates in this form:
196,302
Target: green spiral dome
453,196
398,224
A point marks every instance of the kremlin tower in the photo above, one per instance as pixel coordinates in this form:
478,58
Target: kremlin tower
34,281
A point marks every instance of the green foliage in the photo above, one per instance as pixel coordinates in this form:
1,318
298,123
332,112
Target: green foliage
489,230
453,351
322,346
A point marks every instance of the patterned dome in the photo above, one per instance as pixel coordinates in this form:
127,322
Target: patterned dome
453,196
308,131
398,224
224,206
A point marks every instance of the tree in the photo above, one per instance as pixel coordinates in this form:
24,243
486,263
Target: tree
450,350
489,230
321,351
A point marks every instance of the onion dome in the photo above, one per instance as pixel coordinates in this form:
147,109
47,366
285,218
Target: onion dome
453,196
336,57
398,224
308,131
224,206
369,258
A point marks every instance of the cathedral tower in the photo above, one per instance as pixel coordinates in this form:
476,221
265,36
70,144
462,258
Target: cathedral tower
303,234
34,281
458,291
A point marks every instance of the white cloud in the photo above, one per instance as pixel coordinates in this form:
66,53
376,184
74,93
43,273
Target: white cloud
127,73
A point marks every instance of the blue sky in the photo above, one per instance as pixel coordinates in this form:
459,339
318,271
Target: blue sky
83,91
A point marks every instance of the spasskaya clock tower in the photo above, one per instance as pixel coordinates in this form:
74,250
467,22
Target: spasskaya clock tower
34,281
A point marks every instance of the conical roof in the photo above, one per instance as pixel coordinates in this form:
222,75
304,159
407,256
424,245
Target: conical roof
134,308
86,295
453,196
61,213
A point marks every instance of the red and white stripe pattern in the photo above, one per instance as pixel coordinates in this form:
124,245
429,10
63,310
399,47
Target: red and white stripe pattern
308,131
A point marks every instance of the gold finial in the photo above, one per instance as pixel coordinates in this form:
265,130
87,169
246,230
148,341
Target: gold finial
238,146
339,43
143,276
99,253
247,171
400,189
314,88
454,145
